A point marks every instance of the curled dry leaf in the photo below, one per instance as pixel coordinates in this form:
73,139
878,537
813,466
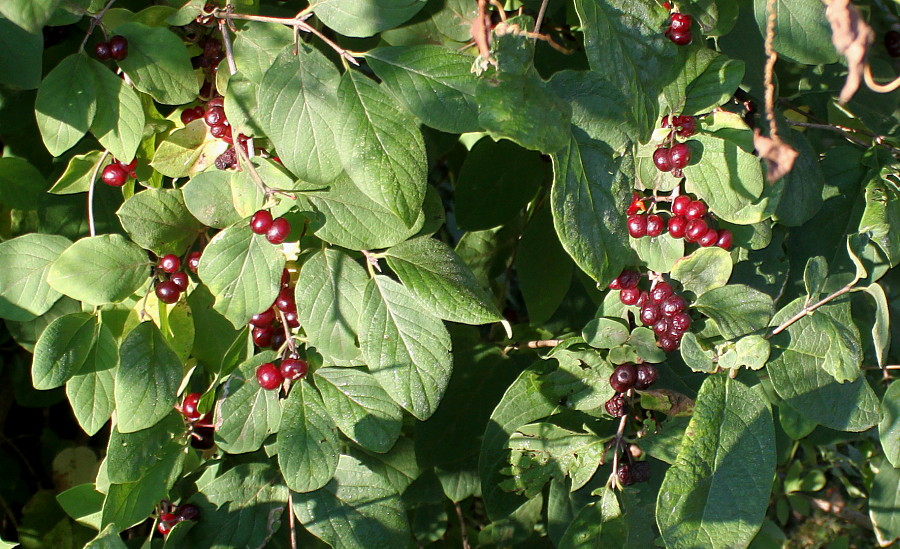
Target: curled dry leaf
851,37
779,156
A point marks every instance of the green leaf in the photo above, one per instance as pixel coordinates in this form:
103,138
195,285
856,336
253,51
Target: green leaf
21,184
21,54
360,408
158,64
329,302
659,253
889,427
147,379
77,177
83,503
66,103
100,269
381,147
407,350
736,309
543,267
300,91
62,349
751,351
541,451
441,281
523,109
881,218
588,190
802,32
399,466
355,221
815,275
242,270
704,270
585,528
802,196
119,122
248,412
131,456
214,335
256,47
605,333
129,504
158,220
91,390
308,440
884,503
366,17
24,264
187,151
434,83
356,510
695,355
728,449
492,169
31,15
109,538
707,80
210,197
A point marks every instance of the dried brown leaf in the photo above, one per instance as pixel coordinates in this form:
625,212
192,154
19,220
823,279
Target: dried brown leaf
851,37
779,156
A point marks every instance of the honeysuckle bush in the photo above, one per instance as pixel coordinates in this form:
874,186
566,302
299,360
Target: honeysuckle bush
456,177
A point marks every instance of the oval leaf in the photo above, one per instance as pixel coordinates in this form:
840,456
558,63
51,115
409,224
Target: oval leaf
248,412
308,441
100,269
24,264
66,103
63,349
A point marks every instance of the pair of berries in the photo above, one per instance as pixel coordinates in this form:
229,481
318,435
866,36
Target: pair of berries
276,230
169,290
625,377
660,308
684,126
116,48
167,521
266,330
689,222
679,29
629,473
672,159
270,377
117,173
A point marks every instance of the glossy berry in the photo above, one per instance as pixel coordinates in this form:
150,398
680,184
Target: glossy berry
616,406
194,261
626,279
227,159
655,225
269,376
180,279
694,210
680,204
189,115
188,511
724,239
293,368
667,344
114,176
263,319
220,131
637,225
118,47
680,22
261,222
709,238
214,116
649,314
285,300
168,292
680,322
661,291
687,126
101,51
285,278
290,318
629,296
640,471
625,475
189,406
680,38
166,522
262,337
130,167
279,230
680,154
695,229
278,338
673,305
623,377
661,326
891,43
643,299
646,376
169,263
662,160
677,226
216,102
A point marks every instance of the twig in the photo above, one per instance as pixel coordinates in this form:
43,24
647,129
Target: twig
810,308
229,53
839,510
244,161
481,31
291,513
891,367
540,18
95,20
880,88
843,130
90,198
837,129
771,57
614,476
289,338
462,526
293,22
537,344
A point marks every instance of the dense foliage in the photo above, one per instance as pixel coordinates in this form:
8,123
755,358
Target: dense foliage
398,273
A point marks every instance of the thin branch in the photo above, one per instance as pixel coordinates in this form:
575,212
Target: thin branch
540,18
288,337
891,367
293,526
880,88
771,57
462,526
244,161
90,198
810,308
614,476
537,344
229,53
95,20
839,510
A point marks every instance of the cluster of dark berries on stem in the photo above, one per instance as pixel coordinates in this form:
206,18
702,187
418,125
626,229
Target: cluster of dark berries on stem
688,220
200,425
275,229
661,309
674,157
116,48
270,377
267,330
168,520
623,379
679,29
117,173
174,281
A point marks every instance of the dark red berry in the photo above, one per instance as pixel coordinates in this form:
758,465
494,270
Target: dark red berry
640,471
695,210
629,296
661,291
130,167
662,160
667,344
285,300
263,319
285,278
180,279
891,43
114,176
189,115
194,261
215,116
279,230
680,322
665,122
290,318
261,222
293,368
623,377
262,337
680,155
649,314
216,102
695,229
661,326
169,263
655,225
677,226
189,406
646,376
268,376
168,292
673,305
709,238
219,131
626,477
101,50
688,126
680,22
188,511
724,239
626,279
637,225
644,299
680,38
616,406
118,47
278,338
680,204
227,159
166,523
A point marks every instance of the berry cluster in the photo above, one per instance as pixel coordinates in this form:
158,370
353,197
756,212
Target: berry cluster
276,230
689,220
116,48
679,29
629,473
168,520
623,379
169,289
117,173
661,309
684,126
212,55
270,377
266,329
200,425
